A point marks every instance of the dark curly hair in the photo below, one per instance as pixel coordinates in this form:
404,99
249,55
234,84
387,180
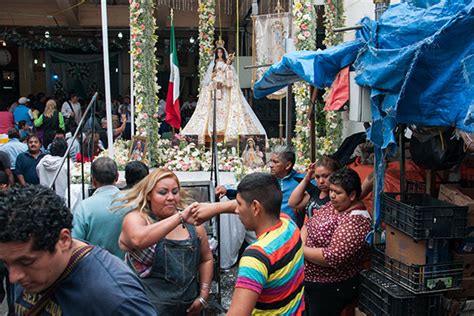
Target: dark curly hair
35,213
348,179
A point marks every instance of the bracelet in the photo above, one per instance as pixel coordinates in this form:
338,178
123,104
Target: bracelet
181,219
203,302
205,286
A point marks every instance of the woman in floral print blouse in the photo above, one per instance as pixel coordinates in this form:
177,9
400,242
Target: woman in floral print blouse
335,246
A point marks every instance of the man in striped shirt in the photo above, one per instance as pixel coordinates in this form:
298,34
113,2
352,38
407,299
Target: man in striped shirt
271,270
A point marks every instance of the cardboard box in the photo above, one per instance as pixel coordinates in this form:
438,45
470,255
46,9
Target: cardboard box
404,248
467,277
456,307
456,195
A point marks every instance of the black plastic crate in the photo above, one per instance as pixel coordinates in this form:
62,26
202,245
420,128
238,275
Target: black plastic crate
380,296
418,279
423,217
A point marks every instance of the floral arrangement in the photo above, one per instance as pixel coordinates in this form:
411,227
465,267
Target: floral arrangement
143,51
333,18
121,153
330,137
207,19
78,71
304,18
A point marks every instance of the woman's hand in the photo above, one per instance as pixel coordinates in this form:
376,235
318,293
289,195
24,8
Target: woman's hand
188,213
310,171
202,212
195,308
221,191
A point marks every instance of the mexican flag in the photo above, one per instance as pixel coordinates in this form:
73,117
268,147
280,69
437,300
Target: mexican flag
173,114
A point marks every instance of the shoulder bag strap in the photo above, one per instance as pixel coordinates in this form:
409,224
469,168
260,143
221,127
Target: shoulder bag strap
70,106
76,257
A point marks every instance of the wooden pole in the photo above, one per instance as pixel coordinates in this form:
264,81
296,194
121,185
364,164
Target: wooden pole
312,121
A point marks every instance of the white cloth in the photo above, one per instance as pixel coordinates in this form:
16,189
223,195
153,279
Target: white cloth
66,110
234,116
46,170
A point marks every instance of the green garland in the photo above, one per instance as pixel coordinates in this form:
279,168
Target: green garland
304,18
143,42
207,19
329,136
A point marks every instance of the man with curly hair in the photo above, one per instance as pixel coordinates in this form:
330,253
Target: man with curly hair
54,274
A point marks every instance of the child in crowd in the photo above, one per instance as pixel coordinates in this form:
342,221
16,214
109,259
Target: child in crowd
23,129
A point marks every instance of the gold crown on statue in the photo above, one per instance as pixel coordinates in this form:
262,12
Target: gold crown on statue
220,42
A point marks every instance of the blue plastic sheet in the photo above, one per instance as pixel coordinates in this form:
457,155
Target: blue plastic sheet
318,68
418,60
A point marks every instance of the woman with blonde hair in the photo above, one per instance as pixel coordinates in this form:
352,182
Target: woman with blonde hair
51,121
172,257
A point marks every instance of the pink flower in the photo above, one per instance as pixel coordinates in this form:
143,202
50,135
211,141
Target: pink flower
306,33
137,5
155,115
142,27
145,116
303,26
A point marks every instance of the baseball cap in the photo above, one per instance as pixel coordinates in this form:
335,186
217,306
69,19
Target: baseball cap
23,100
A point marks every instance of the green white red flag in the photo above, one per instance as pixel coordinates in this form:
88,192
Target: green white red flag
173,113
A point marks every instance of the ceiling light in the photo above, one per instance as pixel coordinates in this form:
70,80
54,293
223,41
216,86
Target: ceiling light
120,35
4,43
44,65
35,61
46,34
191,40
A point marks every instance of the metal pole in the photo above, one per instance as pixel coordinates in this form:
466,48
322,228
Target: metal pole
108,103
215,180
312,121
132,87
402,159
280,125
289,118
69,182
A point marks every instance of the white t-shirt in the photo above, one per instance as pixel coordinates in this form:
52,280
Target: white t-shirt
66,110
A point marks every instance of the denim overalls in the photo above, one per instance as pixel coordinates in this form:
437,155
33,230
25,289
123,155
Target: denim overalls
172,285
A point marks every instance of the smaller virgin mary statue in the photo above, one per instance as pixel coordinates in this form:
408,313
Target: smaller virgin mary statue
234,116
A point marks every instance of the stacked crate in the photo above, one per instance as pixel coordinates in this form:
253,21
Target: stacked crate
414,267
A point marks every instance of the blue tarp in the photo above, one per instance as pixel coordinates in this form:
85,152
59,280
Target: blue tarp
418,60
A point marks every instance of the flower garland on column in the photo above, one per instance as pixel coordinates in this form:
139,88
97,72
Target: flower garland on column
207,19
144,38
331,121
304,18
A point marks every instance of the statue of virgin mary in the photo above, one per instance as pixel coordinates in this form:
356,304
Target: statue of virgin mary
234,116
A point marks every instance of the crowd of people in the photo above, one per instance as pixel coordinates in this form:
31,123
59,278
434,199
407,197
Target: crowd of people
144,250
36,127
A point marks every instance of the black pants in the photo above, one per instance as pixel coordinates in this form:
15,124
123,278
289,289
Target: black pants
329,299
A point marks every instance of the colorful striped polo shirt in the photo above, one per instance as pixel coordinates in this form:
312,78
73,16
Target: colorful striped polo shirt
273,266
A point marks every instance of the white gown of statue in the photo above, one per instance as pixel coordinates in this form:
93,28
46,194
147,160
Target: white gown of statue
234,115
